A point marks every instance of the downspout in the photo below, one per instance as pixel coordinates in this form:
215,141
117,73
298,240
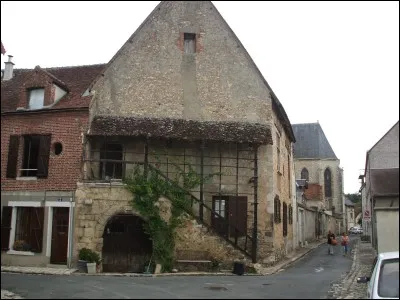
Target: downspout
71,230
255,221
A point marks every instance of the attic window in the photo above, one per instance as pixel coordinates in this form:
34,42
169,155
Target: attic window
190,43
36,98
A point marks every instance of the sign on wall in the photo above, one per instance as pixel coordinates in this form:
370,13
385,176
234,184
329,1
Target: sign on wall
367,215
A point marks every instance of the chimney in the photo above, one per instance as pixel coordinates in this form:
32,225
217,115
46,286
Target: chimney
8,69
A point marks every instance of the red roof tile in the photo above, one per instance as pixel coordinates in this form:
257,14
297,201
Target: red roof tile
77,79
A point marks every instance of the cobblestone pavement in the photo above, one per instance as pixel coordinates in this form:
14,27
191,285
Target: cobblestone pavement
9,295
347,287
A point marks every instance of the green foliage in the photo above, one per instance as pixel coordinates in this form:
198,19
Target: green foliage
356,197
89,256
147,186
360,222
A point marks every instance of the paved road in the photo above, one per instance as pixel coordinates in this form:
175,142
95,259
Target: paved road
308,278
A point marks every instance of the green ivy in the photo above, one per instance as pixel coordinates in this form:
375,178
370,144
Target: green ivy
147,186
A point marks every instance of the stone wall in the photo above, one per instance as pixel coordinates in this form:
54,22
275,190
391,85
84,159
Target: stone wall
316,169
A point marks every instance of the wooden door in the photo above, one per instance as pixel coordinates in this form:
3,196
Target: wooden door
237,216
59,240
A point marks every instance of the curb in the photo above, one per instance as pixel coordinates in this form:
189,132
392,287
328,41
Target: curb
275,269
294,259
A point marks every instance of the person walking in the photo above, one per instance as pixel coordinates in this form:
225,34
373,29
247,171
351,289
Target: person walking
345,243
331,241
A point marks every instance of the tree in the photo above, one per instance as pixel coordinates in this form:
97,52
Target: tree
356,197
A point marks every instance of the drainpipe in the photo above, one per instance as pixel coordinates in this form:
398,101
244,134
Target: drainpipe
71,231
255,221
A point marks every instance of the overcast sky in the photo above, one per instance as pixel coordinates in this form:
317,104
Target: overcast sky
332,62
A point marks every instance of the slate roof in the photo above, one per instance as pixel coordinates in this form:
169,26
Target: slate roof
76,79
385,182
348,202
311,142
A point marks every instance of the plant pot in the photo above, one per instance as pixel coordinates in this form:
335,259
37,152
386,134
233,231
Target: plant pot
82,266
91,268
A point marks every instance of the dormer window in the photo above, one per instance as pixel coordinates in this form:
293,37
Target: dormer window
36,98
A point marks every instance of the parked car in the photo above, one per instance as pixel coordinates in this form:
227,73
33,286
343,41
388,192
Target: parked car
384,280
356,230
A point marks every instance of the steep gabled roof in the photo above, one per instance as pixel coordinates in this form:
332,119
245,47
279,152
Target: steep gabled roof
311,142
348,202
277,106
75,79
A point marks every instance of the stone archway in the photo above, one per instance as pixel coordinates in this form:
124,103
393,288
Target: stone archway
126,247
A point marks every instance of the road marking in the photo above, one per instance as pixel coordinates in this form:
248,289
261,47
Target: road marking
320,269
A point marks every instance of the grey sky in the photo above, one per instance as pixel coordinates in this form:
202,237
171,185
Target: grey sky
335,62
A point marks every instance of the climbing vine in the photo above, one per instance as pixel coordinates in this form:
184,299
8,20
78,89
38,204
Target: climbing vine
148,184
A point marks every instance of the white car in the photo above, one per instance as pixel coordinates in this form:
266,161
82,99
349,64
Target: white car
384,281
356,230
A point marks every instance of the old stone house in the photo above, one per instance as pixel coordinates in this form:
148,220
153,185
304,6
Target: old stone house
183,90
43,117
316,163
380,192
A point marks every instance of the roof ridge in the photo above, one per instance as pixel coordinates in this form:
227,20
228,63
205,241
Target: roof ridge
57,68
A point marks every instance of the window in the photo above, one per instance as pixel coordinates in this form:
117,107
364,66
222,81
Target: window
36,155
388,282
220,207
57,148
278,153
285,219
29,229
304,174
328,183
277,210
36,98
111,151
290,214
189,43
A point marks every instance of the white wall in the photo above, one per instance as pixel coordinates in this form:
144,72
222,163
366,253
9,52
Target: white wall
387,230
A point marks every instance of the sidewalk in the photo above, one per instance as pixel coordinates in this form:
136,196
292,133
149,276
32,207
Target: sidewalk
9,295
292,257
347,287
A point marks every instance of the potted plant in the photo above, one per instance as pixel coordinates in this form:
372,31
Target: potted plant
21,245
91,259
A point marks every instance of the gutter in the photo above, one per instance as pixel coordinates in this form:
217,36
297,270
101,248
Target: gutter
40,111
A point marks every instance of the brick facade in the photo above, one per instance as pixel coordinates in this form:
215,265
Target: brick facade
64,127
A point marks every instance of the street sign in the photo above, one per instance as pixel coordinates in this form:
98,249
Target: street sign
367,215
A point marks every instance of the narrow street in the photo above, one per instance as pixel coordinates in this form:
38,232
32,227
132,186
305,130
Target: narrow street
310,277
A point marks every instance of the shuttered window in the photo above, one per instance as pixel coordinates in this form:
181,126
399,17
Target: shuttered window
29,229
5,227
44,155
285,219
36,155
12,157
277,210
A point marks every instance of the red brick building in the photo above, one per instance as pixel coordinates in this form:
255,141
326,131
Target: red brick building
44,115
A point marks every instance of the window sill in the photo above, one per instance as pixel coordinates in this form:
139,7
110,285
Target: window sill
30,178
15,252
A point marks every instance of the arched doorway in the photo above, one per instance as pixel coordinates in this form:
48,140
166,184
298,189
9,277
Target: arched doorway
126,247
